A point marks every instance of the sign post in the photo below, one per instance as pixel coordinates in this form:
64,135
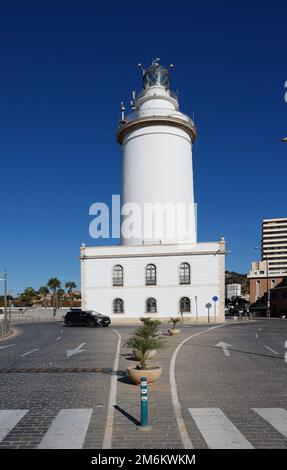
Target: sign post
215,299
208,306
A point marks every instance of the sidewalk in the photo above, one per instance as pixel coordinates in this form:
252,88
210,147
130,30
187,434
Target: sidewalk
164,433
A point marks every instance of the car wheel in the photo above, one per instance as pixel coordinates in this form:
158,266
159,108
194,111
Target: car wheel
69,323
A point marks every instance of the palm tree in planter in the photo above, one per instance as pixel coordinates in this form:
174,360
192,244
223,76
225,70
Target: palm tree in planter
145,339
174,331
150,330
54,284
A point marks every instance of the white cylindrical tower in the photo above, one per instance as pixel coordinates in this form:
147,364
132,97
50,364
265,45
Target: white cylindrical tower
157,176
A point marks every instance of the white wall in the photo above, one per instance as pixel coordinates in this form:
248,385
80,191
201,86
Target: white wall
207,276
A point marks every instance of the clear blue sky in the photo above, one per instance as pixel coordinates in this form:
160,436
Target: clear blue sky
65,67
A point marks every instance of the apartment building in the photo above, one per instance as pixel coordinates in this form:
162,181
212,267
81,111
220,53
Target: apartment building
274,245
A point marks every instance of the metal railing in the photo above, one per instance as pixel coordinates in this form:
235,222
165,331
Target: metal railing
158,112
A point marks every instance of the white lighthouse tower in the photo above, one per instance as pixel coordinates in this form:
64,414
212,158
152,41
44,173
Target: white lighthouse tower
157,174
159,269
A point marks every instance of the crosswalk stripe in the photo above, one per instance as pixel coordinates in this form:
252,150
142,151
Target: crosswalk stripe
217,430
68,430
9,419
277,417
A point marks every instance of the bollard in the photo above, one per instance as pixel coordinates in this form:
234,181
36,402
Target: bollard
144,402
144,426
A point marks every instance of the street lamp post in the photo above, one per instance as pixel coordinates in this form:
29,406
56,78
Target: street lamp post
5,302
268,289
267,280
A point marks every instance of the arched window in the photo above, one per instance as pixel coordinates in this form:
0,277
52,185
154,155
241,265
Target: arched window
184,274
118,306
118,275
150,276
151,305
184,304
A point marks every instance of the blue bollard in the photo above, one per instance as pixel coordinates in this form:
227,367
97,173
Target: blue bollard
144,403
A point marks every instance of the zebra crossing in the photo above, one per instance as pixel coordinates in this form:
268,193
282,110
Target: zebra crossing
69,427
219,432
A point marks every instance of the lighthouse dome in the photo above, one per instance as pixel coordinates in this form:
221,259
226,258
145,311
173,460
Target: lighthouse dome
156,75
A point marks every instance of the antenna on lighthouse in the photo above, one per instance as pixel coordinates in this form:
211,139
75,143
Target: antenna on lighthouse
122,108
133,100
141,68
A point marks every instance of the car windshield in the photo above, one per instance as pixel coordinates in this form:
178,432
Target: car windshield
96,314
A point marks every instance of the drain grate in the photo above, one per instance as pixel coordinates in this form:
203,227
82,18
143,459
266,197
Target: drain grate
61,370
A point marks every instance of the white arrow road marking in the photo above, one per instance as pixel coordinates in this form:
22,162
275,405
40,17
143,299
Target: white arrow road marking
272,350
7,346
224,347
29,352
77,350
59,337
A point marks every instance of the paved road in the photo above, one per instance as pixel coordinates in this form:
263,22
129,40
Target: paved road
231,384
219,389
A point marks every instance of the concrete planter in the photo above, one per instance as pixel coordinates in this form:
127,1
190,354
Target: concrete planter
151,354
151,375
174,332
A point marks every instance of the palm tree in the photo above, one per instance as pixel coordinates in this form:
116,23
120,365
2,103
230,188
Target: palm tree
43,292
54,284
70,285
28,295
60,294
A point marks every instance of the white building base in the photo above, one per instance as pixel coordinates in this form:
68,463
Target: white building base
207,279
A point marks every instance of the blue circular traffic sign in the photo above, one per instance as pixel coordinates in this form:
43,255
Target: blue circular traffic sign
215,298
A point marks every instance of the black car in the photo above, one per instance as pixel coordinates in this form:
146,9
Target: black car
77,317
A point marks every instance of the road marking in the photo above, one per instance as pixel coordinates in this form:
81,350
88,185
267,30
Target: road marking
256,336
285,356
277,417
107,441
217,430
59,337
29,352
7,346
224,347
9,419
186,441
272,350
68,430
77,350
259,329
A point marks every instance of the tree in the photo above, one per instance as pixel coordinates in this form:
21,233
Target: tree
43,291
54,284
70,285
145,340
28,295
60,294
